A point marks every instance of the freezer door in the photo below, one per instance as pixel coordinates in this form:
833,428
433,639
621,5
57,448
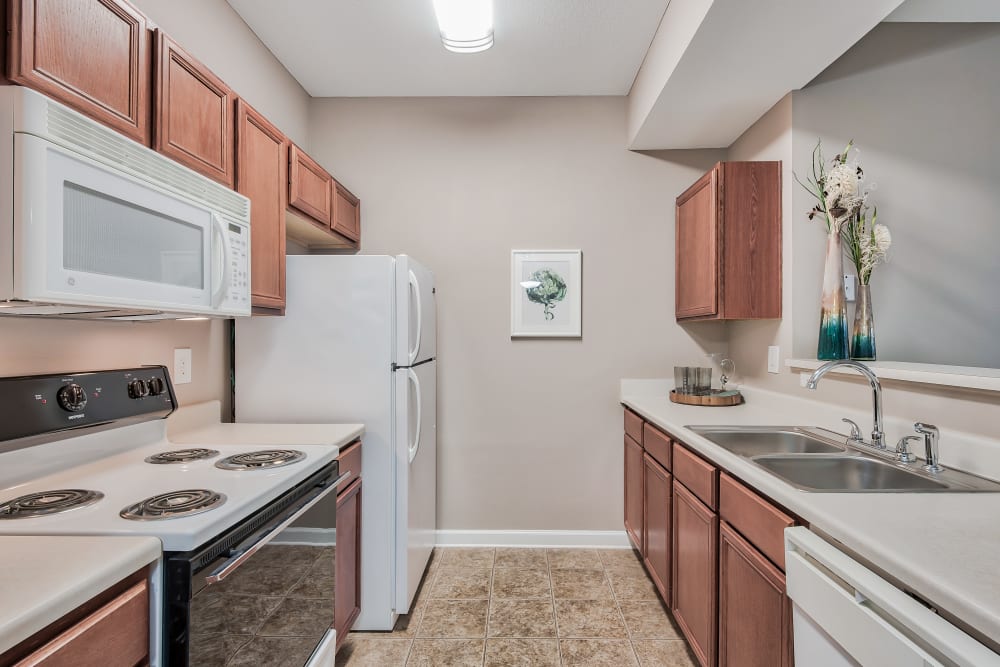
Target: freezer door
416,312
416,461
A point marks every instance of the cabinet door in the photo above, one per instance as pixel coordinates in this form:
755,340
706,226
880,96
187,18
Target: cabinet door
116,635
348,560
309,189
694,582
656,528
194,113
261,174
346,213
697,278
754,611
92,55
634,493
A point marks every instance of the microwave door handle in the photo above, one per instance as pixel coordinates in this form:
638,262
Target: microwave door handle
219,293
243,555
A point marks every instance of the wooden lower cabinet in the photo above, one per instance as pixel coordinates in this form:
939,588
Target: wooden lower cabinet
694,594
755,624
656,524
348,560
634,493
108,633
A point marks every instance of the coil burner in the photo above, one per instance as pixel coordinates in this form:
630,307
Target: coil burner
173,505
268,458
48,502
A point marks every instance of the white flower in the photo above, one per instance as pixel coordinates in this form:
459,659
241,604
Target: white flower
842,180
881,238
873,250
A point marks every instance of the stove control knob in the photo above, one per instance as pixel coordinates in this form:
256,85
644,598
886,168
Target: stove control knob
138,389
156,386
72,397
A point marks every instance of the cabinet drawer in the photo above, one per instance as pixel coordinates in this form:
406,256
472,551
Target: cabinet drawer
698,475
350,461
116,635
657,445
633,425
755,518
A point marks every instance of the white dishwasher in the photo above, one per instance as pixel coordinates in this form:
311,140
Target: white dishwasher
844,615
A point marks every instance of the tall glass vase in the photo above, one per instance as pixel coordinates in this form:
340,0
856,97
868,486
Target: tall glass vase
833,307
863,331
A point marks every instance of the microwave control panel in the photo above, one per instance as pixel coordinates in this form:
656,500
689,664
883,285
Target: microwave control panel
238,291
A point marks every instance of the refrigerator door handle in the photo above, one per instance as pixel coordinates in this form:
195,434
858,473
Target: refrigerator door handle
415,287
415,445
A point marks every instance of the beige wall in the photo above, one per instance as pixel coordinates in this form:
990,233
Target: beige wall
772,138
215,34
529,431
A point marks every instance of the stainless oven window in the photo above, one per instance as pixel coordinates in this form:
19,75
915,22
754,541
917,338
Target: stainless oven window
112,237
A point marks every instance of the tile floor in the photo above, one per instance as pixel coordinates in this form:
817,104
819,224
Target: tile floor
528,607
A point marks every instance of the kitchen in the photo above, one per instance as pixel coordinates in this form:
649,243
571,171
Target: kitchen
583,134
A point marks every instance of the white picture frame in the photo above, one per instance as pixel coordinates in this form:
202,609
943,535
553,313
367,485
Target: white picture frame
546,294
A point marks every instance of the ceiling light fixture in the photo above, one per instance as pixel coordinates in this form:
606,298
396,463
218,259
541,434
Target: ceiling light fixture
466,25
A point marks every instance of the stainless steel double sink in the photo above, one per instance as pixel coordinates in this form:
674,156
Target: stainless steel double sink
817,460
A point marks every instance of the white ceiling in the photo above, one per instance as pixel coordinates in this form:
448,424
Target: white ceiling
379,48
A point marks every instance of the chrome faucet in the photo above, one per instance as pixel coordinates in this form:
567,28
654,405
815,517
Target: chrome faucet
878,434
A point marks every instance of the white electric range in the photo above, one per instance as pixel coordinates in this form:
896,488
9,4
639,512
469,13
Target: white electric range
87,454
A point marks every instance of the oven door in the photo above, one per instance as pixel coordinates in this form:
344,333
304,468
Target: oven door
261,594
90,235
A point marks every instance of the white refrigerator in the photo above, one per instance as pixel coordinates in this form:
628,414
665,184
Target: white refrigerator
358,344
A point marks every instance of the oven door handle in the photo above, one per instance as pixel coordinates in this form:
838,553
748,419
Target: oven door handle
241,556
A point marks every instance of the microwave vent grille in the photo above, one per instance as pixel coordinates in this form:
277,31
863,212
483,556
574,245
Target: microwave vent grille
109,147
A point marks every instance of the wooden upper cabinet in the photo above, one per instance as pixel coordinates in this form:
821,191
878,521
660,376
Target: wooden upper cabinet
194,113
346,213
697,288
634,494
755,624
261,174
728,244
310,187
92,55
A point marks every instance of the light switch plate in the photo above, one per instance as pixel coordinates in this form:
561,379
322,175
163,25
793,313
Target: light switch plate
850,287
773,359
182,365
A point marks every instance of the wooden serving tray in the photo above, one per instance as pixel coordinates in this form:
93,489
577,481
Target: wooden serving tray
716,398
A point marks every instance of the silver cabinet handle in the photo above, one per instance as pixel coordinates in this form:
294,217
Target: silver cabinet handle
243,556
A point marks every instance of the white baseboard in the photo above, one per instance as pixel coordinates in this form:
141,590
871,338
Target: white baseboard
319,537
533,538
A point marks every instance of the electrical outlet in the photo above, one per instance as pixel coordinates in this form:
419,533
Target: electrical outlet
773,359
182,365
850,287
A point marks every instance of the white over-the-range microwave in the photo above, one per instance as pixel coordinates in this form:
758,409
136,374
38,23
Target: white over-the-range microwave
95,225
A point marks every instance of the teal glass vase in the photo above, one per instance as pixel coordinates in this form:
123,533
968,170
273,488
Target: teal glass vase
833,306
863,330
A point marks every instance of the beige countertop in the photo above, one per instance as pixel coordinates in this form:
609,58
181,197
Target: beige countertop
44,578
945,547
200,425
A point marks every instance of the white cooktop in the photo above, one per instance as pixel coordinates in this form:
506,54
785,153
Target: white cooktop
125,478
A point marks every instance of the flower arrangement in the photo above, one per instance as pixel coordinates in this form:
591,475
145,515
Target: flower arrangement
843,203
